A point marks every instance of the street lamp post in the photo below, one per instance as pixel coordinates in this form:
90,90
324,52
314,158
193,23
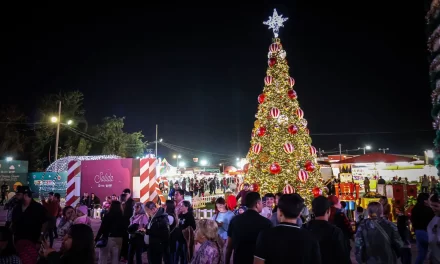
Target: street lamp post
58,130
384,150
367,147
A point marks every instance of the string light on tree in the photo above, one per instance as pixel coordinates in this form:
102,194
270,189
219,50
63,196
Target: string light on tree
281,156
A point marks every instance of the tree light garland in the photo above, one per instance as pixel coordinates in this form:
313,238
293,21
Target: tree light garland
61,164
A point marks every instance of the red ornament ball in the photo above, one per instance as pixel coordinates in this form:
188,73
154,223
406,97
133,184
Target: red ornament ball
275,168
255,187
316,192
261,131
310,167
261,98
272,62
292,129
292,94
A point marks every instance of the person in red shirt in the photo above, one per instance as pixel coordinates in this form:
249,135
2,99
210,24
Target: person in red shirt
242,194
53,208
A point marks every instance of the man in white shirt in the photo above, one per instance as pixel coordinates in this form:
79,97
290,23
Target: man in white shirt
434,230
270,201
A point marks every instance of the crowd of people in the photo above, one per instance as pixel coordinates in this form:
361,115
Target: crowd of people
246,228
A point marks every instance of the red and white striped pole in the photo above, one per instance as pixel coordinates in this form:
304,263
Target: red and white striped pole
74,170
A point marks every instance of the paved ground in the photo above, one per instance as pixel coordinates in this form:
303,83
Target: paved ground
96,223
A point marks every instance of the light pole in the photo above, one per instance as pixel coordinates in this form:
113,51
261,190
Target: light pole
222,164
57,120
367,147
177,157
384,150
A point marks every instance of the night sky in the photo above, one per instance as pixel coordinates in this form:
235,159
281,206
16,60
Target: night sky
197,70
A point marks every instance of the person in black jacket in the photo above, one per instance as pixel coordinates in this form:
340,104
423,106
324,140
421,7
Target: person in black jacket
158,232
421,215
112,229
186,219
331,239
128,205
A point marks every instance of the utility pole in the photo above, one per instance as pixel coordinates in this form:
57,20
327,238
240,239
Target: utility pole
157,129
340,151
58,130
384,150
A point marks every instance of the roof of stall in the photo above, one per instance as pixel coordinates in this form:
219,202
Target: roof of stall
375,158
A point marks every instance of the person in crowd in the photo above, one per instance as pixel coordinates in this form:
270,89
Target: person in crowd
4,192
332,244
9,206
421,215
186,221
405,234
340,220
158,232
110,234
114,197
173,191
138,221
344,207
224,185
434,183
381,180
8,254
77,247
106,206
425,184
270,202
287,241
191,187
242,194
434,230
178,200
53,209
170,210
81,216
240,210
127,207
94,201
202,188
29,222
222,217
359,215
377,239
85,200
67,218
184,184
367,185
210,251
386,208
212,186
196,188
274,217
244,229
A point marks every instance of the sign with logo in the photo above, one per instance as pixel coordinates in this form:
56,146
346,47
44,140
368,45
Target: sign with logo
106,177
14,173
41,183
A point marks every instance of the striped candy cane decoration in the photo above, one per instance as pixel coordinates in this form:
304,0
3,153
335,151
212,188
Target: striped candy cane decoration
147,167
73,170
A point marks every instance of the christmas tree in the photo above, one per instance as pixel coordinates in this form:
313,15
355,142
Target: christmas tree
281,153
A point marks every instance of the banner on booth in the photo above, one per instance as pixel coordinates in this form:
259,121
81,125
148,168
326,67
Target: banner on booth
106,177
41,183
14,173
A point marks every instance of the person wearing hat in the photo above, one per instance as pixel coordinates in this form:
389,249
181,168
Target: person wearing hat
29,220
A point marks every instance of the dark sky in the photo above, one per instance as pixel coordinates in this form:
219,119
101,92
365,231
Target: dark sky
197,70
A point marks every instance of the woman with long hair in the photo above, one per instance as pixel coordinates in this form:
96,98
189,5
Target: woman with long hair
222,217
77,247
138,221
210,251
187,224
110,233
170,209
68,216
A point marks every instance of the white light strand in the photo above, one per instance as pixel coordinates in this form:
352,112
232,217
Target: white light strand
61,164
275,22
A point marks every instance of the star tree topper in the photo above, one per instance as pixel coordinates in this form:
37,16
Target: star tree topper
275,22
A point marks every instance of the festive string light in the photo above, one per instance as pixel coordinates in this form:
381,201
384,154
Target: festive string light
61,164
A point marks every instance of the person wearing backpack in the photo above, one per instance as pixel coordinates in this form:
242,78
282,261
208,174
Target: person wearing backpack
377,239
331,239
